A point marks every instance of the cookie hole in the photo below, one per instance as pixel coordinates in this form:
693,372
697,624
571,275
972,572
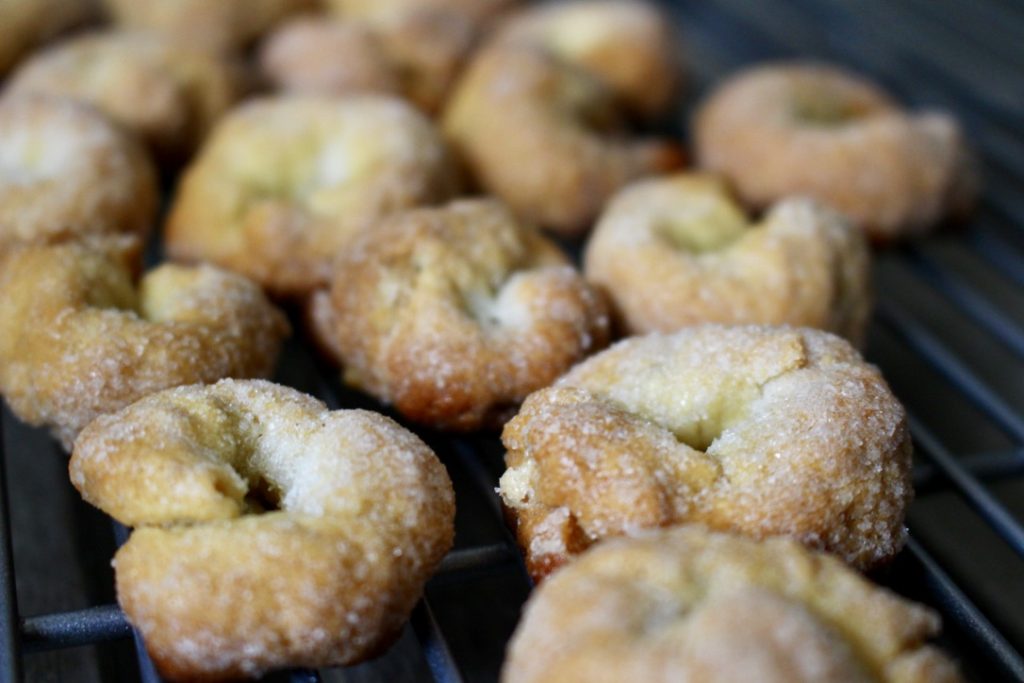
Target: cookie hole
588,103
493,305
261,497
708,225
481,306
701,435
815,110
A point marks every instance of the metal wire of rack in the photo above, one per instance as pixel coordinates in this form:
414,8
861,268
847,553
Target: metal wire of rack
970,286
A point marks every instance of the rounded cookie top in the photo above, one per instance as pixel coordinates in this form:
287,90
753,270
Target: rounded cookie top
67,171
758,430
166,90
809,129
284,183
456,314
80,336
269,531
678,251
688,605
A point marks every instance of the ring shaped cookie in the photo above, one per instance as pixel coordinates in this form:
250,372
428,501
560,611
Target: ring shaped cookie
283,184
163,89
66,171
269,532
679,251
760,431
545,136
79,338
455,314
796,129
686,605
629,46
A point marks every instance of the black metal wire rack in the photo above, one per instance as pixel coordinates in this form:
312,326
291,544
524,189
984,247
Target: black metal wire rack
949,335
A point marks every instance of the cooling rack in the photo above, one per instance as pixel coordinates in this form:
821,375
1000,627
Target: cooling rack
948,334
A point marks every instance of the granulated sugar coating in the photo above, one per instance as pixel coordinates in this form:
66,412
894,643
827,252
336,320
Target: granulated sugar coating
758,430
65,170
359,512
679,251
688,606
455,314
78,338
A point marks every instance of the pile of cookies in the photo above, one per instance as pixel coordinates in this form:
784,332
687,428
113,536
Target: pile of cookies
408,178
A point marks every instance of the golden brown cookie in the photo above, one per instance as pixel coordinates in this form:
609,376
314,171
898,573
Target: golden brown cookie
630,46
79,337
269,531
545,136
806,129
679,251
689,606
762,431
66,170
455,314
162,88
284,183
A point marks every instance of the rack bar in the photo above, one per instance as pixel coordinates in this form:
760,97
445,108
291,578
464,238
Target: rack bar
980,33
995,251
1006,211
147,670
998,517
968,300
926,345
435,650
1001,201
107,622
984,466
951,66
959,608
71,629
481,477
482,557
10,641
